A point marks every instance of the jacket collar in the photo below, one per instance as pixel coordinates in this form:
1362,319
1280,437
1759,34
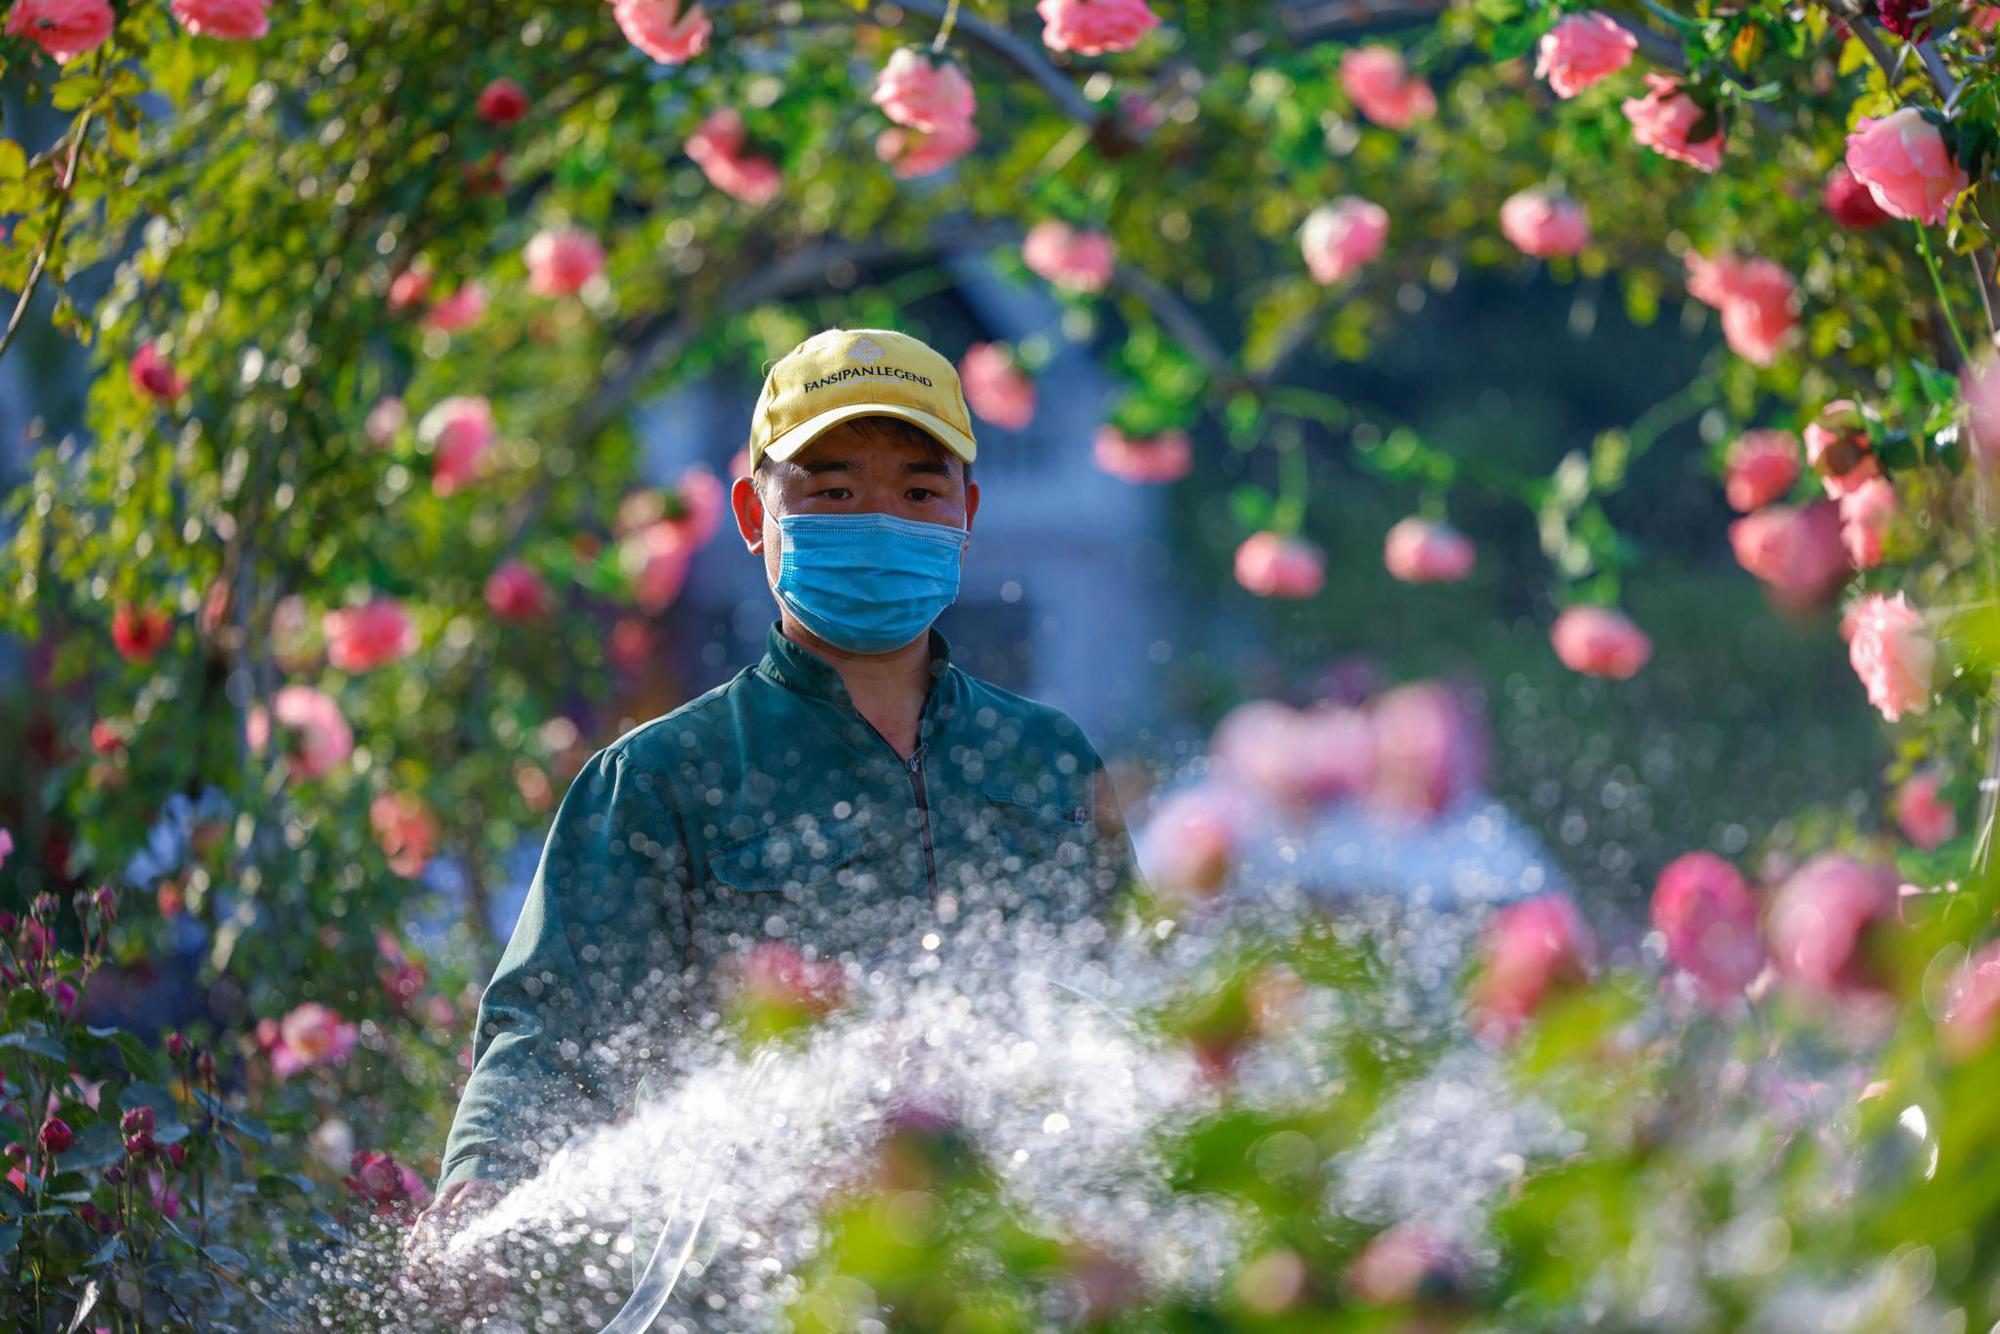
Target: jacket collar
799,668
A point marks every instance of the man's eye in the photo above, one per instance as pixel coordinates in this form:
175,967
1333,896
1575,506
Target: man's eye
829,493
922,491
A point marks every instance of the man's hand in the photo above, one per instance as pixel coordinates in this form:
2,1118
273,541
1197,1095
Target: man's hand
462,1285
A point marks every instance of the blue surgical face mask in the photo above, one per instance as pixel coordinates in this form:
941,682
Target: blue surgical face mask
867,583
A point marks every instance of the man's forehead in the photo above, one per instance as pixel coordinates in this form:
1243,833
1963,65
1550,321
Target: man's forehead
860,451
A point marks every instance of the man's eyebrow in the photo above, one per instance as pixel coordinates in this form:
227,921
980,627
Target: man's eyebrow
818,466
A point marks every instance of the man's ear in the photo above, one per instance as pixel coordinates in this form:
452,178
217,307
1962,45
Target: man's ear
971,505
748,507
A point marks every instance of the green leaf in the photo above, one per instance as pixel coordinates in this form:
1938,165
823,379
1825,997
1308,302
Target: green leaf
37,1044
97,1145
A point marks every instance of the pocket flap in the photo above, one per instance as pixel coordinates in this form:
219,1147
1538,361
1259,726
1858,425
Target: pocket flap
784,858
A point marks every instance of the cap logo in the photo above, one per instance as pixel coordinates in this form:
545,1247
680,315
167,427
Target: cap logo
866,351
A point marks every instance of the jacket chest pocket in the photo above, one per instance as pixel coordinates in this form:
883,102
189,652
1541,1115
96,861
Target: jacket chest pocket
1040,831
784,860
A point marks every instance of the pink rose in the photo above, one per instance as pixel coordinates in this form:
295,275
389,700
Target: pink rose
1582,50
408,288
1971,1005
656,556
139,633
1925,818
516,593
1093,27
1420,551
1266,746
1533,949
1339,747
1762,467
1154,458
460,431
1192,838
1544,225
1402,1263
1892,652
1663,119
995,388
1429,749
359,639
1708,917
318,737
406,831
310,1035
1979,384
915,93
911,154
699,500
779,975
562,263
231,20
1382,89
717,148
388,1186
384,421
1820,919
658,28
1273,565
1903,161
1600,641
1798,553
65,29
1340,237
1073,258
1840,449
1849,202
1757,298
502,102
1866,513
152,376
460,310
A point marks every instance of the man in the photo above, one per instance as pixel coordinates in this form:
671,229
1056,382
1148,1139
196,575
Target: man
851,794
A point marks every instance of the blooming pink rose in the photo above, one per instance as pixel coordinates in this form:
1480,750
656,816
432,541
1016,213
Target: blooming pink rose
699,499
913,92
359,639
562,263
139,633
1971,1005
231,20
1820,918
388,1186
152,375
1892,652
516,593
1421,551
1073,258
779,975
995,388
1154,458
1925,818
384,420
1849,202
65,29
1798,553
1340,237
408,288
1757,298
1762,467
1260,744
502,102
1093,27
318,736
1708,916
406,831
656,556
1273,565
1402,1263
311,1035
1532,949
1382,88
911,154
1865,515
1430,749
460,310
1582,50
1663,119
460,430
717,148
1903,161
1192,838
1340,752
1839,447
658,28
1543,225
1600,641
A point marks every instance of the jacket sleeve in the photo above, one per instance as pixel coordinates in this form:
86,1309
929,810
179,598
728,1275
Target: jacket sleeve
600,933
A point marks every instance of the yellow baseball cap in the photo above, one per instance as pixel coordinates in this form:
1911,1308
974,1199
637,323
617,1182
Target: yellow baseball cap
840,374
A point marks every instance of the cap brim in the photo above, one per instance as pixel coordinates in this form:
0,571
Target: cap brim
796,439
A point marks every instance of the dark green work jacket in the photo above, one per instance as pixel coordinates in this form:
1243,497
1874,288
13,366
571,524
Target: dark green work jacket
768,809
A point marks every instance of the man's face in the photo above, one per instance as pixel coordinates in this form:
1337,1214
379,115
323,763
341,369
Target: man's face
854,469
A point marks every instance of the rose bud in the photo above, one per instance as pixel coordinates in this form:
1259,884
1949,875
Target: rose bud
56,1136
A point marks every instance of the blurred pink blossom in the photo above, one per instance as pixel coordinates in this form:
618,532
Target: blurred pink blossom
662,31
1543,224
1278,565
923,96
318,736
1424,551
1075,259
230,20
460,431
1339,238
1663,119
1382,88
1166,457
311,1035
1093,27
1708,916
1797,551
1892,652
1600,641
65,29
359,639
561,262
1757,298
995,387
1532,949
1925,817
1762,467
1582,50
1903,160
717,147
